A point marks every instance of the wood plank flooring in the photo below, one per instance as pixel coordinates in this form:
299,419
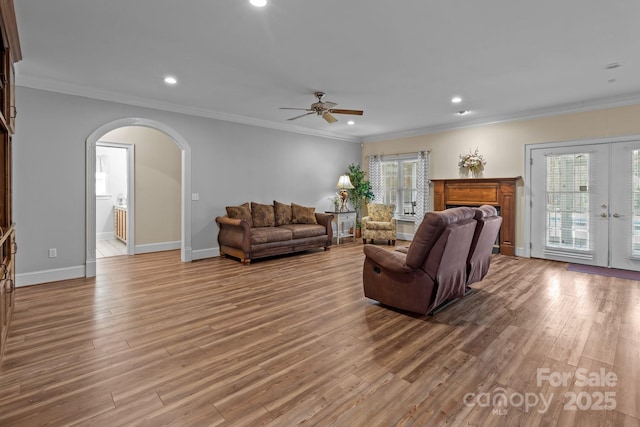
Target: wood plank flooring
292,341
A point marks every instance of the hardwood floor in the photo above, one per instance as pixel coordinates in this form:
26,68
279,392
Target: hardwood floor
292,340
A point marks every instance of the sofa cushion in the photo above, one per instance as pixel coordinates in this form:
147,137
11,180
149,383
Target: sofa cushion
282,213
269,235
300,231
380,212
379,225
262,215
240,212
302,214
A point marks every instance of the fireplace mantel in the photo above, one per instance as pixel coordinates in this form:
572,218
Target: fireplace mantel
498,192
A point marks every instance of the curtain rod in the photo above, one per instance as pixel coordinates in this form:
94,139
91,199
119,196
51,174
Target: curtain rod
428,150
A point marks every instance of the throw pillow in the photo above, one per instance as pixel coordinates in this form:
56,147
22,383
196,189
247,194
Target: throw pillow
302,214
379,212
240,212
262,215
283,213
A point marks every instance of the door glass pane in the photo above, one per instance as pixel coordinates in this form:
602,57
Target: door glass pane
390,182
635,194
567,202
409,190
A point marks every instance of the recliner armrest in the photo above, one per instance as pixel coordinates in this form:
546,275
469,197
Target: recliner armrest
389,260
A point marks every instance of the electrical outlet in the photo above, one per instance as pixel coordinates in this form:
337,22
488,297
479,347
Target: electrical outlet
53,252
195,196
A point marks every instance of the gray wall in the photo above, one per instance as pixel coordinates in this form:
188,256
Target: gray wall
231,163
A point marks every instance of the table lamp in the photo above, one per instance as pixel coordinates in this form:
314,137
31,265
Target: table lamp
343,184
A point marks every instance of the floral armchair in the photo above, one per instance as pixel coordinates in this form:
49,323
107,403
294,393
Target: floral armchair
379,223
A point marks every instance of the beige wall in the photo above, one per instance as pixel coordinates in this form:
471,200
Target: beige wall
158,183
502,144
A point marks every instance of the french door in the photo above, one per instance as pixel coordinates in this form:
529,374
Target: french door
585,204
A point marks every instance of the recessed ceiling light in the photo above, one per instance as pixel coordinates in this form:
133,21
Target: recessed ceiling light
351,122
170,80
456,99
463,112
258,3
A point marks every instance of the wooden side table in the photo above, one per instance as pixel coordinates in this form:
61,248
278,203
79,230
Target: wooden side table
340,218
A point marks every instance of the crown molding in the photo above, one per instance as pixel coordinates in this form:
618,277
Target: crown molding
574,107
77,90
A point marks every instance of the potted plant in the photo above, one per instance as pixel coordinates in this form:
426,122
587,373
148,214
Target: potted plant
360,193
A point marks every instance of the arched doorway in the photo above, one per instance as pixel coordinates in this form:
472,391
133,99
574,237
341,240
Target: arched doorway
185,245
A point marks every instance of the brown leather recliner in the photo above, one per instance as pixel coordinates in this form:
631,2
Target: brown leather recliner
482,244
431,272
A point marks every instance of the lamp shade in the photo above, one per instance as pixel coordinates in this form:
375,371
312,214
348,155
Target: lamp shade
344,182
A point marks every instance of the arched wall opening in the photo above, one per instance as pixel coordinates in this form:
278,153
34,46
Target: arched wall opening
91,142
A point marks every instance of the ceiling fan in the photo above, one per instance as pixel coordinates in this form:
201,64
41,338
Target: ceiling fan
324,109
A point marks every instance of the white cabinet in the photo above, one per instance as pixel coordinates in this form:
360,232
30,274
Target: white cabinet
344,222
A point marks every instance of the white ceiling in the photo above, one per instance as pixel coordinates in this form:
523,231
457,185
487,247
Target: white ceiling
400,61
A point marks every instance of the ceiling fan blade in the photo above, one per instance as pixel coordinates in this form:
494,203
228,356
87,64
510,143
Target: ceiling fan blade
301,115
339,111
328,104
328,117
302,109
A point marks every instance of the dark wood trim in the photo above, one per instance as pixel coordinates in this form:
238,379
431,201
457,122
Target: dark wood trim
10,29
499,192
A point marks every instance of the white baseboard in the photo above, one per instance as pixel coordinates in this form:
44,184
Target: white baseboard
157,247
45,276
521,252
205,253
108,235
404,236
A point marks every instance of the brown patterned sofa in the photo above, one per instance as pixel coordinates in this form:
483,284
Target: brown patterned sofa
255,230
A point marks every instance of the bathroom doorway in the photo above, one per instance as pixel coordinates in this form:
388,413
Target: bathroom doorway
143,244
114,193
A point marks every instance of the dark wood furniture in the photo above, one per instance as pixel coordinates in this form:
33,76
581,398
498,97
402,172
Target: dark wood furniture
9,54
498,192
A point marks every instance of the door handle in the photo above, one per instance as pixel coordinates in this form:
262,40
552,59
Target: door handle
615,215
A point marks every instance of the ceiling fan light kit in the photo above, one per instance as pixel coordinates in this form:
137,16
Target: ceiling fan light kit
324,109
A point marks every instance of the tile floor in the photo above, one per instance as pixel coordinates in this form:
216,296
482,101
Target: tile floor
110,247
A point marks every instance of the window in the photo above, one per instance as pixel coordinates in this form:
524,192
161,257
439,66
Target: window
101,184
567,194
635,194
399,185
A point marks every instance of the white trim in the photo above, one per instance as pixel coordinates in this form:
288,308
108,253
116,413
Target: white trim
528,148
205,253
90,223
107,235
131,190
157,247
54,275
124,98
575,107
404,236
